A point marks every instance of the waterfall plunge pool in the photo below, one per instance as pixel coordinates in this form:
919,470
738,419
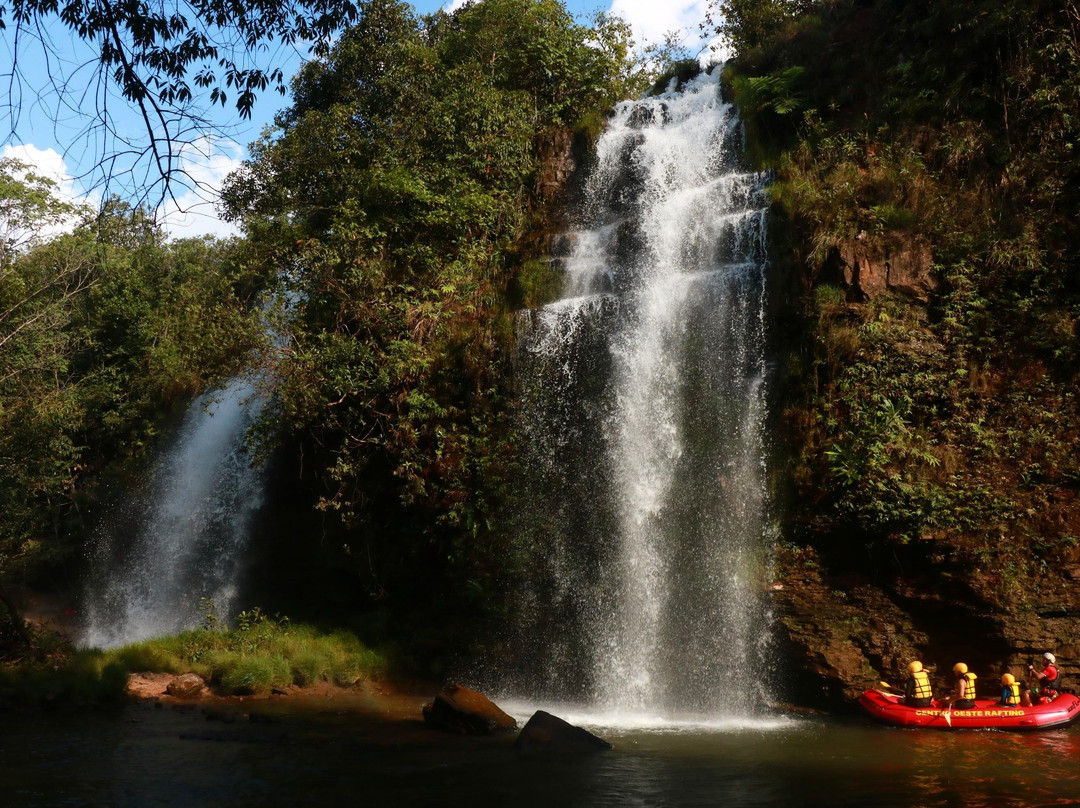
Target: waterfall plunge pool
333,753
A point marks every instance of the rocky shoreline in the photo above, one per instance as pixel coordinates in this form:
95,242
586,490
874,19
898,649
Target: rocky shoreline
452,711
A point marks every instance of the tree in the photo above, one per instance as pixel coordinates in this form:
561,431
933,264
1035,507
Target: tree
394,200
29,208
166,61
104,330
748,24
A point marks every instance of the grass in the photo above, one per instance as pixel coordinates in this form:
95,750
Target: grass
260,654
78,678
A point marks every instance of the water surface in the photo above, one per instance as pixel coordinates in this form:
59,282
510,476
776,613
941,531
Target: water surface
333,754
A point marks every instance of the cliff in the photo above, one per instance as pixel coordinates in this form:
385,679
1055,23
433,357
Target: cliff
926,297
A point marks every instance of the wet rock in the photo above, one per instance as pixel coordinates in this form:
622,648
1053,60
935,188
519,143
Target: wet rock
641,117
545,732
838,642
463,711
564,245
186,686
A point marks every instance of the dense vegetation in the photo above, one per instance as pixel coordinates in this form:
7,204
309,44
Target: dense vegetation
399,204
104,330
934,425
398,213
393,217
257,654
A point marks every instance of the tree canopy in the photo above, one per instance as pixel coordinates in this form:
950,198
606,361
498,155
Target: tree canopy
394,203
104,329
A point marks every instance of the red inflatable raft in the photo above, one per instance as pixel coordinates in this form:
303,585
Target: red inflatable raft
986,714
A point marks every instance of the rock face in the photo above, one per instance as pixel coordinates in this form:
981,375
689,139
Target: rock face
186,686
556,164
869,267
545,732
841,630
465,712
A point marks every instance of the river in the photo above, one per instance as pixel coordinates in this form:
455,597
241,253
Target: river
333,753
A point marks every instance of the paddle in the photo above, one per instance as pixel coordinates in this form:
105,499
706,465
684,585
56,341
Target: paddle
892,691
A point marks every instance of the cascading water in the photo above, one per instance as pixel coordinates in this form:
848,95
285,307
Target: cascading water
190,529
644,406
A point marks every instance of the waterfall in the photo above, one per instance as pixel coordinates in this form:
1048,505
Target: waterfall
644,402
178,547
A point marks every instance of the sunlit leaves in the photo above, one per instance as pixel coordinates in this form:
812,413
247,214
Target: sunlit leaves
398,190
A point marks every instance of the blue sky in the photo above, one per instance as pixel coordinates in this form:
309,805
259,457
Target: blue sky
54,125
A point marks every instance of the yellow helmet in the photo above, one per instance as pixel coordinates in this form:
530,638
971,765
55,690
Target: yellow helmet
1008,679
959,667
914,667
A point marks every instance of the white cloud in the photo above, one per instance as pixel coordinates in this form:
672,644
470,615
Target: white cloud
652,20
454,5
207,162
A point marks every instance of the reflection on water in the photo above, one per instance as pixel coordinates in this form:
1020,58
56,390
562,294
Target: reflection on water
335,755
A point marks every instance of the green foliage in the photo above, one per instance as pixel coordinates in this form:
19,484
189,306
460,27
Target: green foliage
103,331
678,72
952,125
258,654
841,185
535,283
29,206
399,190
79,678
748,24
773,93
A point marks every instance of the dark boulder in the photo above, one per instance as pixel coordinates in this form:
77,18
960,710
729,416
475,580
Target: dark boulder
465,712
545,732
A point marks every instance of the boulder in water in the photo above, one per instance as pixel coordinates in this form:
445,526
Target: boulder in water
545,732
465,712
186,686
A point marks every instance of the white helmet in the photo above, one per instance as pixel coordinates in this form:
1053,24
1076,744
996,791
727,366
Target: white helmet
1050,658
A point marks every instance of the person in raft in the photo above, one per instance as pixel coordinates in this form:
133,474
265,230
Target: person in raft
917,691
963,694
1010,691
1044,683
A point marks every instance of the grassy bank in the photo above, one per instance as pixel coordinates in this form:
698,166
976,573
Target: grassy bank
257,655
